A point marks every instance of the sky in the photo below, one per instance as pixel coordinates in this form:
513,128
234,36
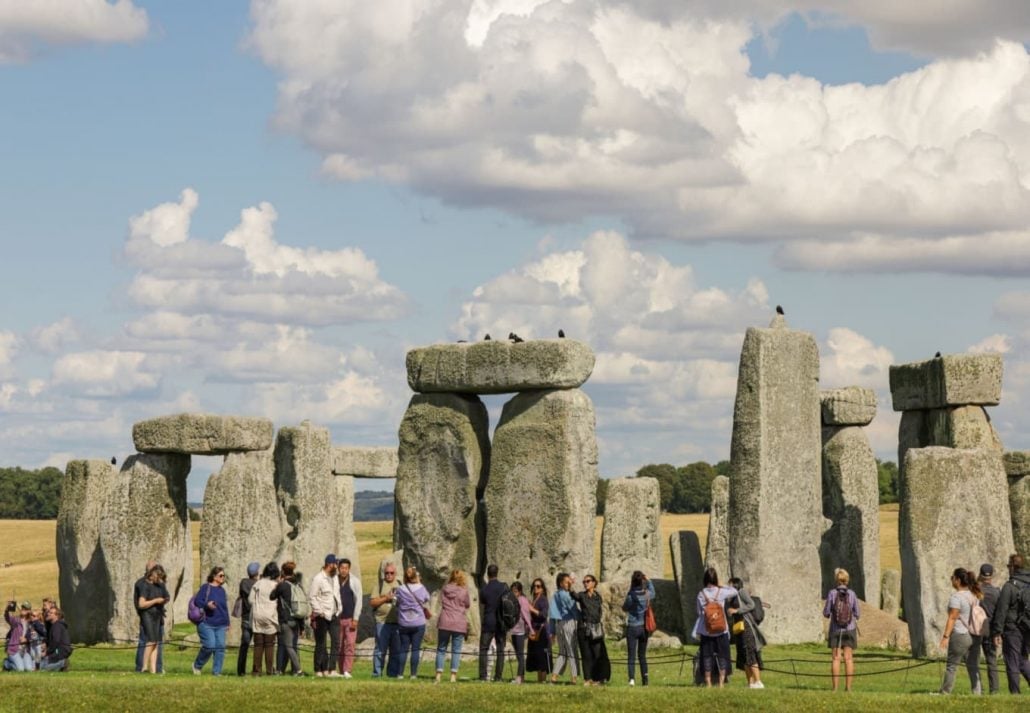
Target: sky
258,208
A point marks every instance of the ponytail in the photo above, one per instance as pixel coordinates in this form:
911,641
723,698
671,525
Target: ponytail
968,580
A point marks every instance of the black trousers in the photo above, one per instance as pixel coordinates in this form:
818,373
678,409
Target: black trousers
1014,648
589,652
326,660
485,638
241,660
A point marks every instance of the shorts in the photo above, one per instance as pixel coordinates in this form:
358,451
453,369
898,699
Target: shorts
845,639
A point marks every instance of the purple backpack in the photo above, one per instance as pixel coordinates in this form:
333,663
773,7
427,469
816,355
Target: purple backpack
195,613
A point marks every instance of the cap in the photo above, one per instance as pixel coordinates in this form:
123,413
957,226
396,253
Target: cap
26,605
253,568
986,570
330,559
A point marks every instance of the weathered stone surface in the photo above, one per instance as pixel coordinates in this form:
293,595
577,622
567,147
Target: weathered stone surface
851,501
952,380
346,541
717,544
954,512
1019,504
958,427
541,495
306,491
444,457
776,481
631,538
202,434
1017,463
85,592
242,520
850,406
688,571
890,591
146,518
667,609
365,462
499,366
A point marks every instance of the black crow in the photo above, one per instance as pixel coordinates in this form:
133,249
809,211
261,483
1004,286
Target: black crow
515,338
486,338
779,310
561,334
114,461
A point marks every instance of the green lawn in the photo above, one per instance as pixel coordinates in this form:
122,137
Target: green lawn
101,679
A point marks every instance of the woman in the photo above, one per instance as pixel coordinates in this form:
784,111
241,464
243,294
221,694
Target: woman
151,607
591,633
640,595
412,613
211,598
18,656
290,627
538,654
452,626
564,614
520,631
264,619
751,640
713,626
841,609
957,639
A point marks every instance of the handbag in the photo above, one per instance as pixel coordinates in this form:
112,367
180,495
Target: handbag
534,634
594,630
650,624
425,610
237,608
738,627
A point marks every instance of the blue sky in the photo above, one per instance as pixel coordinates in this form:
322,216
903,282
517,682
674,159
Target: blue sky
654,177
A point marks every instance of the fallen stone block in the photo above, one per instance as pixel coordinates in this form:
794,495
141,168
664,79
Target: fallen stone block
850,406
952,380
202,434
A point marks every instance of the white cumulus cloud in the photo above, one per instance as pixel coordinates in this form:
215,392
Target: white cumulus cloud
25,25
104,374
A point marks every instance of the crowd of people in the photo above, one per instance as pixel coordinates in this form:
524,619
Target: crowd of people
37,640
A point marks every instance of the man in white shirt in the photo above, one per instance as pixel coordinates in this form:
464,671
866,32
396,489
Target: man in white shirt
324,597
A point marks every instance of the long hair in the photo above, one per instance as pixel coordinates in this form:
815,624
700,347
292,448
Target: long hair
968,580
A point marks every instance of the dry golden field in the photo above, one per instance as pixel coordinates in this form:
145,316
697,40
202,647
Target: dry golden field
29,570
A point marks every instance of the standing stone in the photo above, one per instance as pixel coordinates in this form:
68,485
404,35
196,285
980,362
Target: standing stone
1017,467
717,545
202,434
851,501
242,521
443,459
631,538
145,518
306,491
890,591
346,541
776,481
688,571
541,495
84,589
954,513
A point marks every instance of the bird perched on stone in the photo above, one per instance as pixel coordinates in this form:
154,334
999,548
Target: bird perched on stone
486,338
515,338
779,310
937,355
114,461
462,341
561,334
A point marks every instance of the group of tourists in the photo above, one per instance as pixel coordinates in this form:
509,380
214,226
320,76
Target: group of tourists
37,640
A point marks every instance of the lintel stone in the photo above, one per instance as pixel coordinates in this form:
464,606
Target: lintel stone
850,406
202,434
365,462
952,380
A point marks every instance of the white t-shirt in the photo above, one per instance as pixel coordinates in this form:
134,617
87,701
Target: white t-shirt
963,601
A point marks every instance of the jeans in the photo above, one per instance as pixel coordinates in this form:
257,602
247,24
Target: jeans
456,641
387,646
348,640
323,658
246,635
410,640
22,661
636,643
47,665
142,644
288,634
212,641
990,652
1014,647
485,637
961,648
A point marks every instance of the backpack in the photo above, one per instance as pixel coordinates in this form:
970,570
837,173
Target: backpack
715,615
508,610
758,614
194,612
1022,602
977,618
842,608
300,608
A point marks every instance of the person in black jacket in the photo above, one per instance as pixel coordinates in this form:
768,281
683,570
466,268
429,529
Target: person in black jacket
490,600
246,632
590,634
1006,631
989,604
58,643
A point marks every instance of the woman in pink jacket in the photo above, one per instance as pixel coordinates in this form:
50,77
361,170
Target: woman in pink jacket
453,622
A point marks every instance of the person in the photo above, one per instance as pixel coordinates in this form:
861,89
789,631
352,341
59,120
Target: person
564,614
58,643
751,640
325,611
290,627
639,597
520,631
350,613
538,648
153,596
412,614
452,626
382,603
590,632
490,629
713,629
35,634
841,608
1007,631
957,639
264,619
246,633
990,604
211,598
18,656
141,642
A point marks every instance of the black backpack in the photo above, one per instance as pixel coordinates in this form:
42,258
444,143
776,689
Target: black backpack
1022,602
758,614
842,608
508,610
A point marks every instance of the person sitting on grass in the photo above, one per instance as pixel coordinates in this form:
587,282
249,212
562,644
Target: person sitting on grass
58,643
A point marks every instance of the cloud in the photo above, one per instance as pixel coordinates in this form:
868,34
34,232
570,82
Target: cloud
996,343
105,374
54,337
850,359
25,26
9,345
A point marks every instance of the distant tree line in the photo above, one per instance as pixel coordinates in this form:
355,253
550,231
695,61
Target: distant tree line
30,494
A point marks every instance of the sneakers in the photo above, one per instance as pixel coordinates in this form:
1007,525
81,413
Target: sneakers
333,674
757,684
632,682
346,674
196,671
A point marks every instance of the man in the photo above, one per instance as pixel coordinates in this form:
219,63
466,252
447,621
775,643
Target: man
1006,629
382,602
989,604
58,643
246,630
141,645
325,611
350,612
490,600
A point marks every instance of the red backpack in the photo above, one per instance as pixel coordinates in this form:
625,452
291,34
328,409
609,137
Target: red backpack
715,615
